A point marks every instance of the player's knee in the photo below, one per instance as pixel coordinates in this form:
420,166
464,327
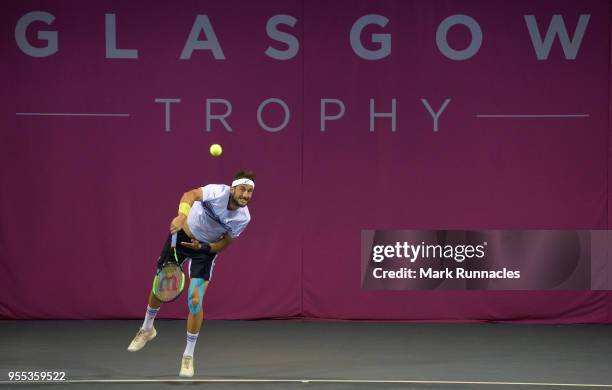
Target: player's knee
196,292
195,300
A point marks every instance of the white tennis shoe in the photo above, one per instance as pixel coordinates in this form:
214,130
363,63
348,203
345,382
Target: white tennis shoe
141,339
187,367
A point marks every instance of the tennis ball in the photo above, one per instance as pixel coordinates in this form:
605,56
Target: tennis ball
216,150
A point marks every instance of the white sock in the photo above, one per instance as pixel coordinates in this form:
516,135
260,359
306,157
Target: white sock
149,318
191,342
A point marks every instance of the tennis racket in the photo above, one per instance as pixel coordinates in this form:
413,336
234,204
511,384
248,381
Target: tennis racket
169,281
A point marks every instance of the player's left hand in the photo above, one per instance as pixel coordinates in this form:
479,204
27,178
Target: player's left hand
194,244
197,246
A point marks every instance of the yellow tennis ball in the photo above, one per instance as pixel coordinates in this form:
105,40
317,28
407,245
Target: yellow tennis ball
216,150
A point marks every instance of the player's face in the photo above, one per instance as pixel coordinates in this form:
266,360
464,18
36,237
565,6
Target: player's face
241,195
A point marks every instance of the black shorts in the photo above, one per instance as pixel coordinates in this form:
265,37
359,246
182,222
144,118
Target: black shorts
201,263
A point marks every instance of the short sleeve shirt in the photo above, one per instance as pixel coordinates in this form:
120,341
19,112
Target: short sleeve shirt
210,218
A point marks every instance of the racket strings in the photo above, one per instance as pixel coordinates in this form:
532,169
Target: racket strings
170,282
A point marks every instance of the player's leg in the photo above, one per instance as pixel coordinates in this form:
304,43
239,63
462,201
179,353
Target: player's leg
196,296
200,273
153,301
197,288
147,332
152,308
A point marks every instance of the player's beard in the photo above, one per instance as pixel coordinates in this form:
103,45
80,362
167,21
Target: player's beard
236,202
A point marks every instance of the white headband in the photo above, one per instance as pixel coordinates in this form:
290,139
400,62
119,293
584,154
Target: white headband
246,181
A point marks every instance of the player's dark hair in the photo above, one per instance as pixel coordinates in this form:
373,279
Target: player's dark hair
245,175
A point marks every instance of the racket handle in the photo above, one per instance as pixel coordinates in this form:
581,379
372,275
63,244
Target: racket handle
173,244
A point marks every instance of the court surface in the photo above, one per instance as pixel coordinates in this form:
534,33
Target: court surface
310,355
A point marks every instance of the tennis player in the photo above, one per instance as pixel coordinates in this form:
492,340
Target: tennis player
209,219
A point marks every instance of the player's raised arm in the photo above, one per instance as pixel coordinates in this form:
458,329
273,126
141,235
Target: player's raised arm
185,204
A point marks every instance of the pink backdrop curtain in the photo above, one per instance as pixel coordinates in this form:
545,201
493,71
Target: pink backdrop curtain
86,200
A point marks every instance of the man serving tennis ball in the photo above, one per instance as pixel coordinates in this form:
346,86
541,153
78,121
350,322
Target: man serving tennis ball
209,219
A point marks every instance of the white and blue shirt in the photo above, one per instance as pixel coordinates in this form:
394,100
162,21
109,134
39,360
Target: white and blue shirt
210,219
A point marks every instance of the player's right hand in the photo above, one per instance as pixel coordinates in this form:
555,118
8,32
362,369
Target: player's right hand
177,223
